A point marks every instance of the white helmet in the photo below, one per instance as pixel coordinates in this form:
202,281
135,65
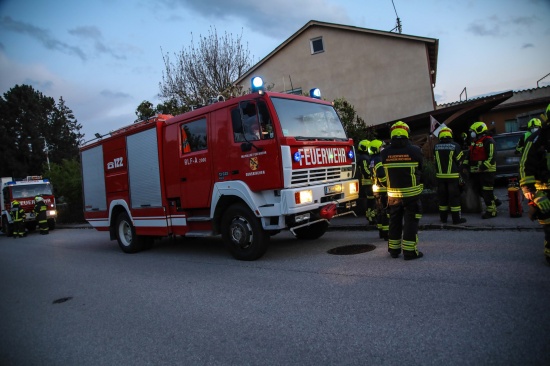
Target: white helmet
38,199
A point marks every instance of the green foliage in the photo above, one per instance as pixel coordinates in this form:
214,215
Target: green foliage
355,127
428,174
66,180
145,110
34,128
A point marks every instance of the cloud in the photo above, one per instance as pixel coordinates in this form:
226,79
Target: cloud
42,36
266,17
527,45
94,34
110,94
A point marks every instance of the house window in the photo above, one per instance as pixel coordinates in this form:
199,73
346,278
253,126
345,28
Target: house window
511,125
317,45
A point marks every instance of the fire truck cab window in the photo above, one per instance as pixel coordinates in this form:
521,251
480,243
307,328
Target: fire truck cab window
255,123
193,136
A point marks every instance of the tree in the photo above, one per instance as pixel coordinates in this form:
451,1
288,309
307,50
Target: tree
355,126
206,71
28,121
145,110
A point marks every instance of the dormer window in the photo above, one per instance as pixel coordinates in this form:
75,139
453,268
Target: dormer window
317,45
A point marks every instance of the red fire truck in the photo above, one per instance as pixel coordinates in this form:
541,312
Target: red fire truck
24,191
245,168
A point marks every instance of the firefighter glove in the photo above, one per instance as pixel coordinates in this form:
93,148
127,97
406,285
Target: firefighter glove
528,193
542,202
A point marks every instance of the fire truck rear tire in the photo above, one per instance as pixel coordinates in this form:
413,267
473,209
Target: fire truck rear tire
242,233
126,236
311,232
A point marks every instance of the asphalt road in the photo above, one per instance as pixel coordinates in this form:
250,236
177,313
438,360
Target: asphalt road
476,298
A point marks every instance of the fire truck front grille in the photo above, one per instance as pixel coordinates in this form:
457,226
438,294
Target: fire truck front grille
314,176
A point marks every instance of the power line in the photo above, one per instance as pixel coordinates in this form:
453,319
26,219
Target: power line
398,21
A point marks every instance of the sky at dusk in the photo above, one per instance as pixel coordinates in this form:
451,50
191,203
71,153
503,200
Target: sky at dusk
104,57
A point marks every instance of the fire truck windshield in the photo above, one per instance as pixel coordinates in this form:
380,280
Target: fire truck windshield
308,120
31,190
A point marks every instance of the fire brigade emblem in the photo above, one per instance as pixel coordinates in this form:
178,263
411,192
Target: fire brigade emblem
254,163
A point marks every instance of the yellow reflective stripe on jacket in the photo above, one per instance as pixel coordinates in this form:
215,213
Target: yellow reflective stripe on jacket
405,192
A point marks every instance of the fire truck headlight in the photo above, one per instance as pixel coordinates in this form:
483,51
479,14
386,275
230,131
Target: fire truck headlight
315,93
52,213
257,84
353,188
303,196
351,154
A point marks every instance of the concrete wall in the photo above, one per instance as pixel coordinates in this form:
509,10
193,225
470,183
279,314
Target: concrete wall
384,77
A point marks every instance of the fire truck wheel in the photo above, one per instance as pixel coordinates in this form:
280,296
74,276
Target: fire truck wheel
126,236
243,234
7,229
311,232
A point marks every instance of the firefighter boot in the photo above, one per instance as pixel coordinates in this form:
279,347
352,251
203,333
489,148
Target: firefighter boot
490,212
457,219
443,216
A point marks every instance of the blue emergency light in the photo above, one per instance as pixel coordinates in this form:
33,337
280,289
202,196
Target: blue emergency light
315,93
257,84
351,155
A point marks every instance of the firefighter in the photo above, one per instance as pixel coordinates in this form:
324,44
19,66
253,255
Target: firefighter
365,190
18,216
534,172
532,126
482,167
40,209
448,160
402,163
379,189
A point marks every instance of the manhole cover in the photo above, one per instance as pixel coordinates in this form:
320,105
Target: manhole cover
352,249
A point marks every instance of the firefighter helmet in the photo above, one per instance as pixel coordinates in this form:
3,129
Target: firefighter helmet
445,133
478,127
399,130
374,146
534,122
38,199
14,203
363,145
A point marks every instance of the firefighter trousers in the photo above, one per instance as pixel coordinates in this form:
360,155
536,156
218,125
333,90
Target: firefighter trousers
405,214
448,195
483,184
382,218
370,212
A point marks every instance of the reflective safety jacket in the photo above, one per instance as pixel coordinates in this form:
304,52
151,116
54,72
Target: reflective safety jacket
363,161
17,213
534,166
402,163
448,158
481,156
378,174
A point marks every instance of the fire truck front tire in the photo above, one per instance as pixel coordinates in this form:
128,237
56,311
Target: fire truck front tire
311,232
7,229
242,233
126,236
